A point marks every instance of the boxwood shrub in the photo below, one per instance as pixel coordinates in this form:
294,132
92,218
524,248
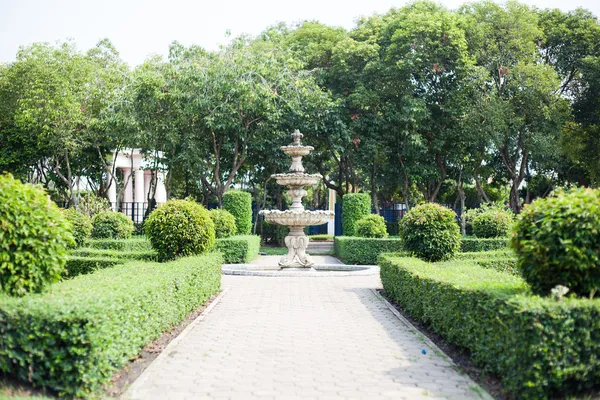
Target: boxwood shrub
34,236
74,337
557,240
364,251
354,207
239,204
112,225
224,223
371,226
146,255
475,244
537,346
81,226
238,249
430,232
493,222
180,228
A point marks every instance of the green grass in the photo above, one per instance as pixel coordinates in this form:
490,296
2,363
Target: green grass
274,251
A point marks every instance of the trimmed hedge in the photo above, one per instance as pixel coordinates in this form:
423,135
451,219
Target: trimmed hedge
74,337
238,249
355,206
500,260
81,225
371,226
538,346
364,251
474,244
239,204
320,238
86,265
224,223
133,244
112,225
145,255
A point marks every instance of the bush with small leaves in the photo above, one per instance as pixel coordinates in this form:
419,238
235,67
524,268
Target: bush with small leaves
90,205
557,240
81,226
493,223
34,236
430,232
224,223
239,204
180,228
112,225
371,226
354,207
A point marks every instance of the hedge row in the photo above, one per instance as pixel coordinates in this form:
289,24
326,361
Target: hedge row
144,255
133,244
85,265
503,260
478,244
72,338
364,251
538,346
238,249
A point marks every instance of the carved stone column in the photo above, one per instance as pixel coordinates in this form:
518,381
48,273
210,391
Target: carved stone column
296,242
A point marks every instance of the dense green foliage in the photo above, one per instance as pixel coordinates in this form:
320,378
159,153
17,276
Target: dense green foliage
133,244
492,223
238,249
74,338
355,206
364,251
538,347
146,255
557,241
34,235
430,232
180,228
274,234
85,265
501,260
320,238
81,226
224,223
239,204
371,226
111,225
475,244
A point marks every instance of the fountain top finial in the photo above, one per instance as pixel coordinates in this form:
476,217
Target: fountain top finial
297,136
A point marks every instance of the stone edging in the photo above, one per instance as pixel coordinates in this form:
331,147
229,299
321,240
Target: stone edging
365,270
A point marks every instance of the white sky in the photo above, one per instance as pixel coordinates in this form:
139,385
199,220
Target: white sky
139,28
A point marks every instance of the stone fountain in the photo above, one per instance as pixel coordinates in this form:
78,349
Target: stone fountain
296,218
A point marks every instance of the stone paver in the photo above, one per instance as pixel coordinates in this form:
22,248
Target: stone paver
301,338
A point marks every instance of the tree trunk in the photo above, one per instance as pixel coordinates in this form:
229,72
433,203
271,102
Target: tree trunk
374,190
462,197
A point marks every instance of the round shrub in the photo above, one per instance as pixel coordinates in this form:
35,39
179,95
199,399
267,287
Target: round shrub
492,223
34,235
112,225
224,223
557,241
430,232
81,226
371,226
354,207
90,205
239,204
180,228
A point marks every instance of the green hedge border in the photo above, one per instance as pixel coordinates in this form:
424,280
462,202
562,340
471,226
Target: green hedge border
85,265
364,251
132,244
537,346
74,337
478,244
238,249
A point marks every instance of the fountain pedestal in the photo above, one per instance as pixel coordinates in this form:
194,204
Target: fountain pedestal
297,218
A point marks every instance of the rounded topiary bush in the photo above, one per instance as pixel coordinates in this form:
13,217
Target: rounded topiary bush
492,223
180,228
34,235
430,232
354,207
557,241
112,225
224,223
239,204
371,226
81,226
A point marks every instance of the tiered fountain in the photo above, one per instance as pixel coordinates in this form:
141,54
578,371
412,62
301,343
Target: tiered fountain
296,217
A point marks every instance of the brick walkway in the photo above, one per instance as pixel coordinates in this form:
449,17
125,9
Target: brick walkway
301,338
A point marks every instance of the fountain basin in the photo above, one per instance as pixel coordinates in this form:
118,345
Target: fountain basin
297,179
297,151
297,218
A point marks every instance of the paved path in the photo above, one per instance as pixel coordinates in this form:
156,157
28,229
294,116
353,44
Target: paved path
301,338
